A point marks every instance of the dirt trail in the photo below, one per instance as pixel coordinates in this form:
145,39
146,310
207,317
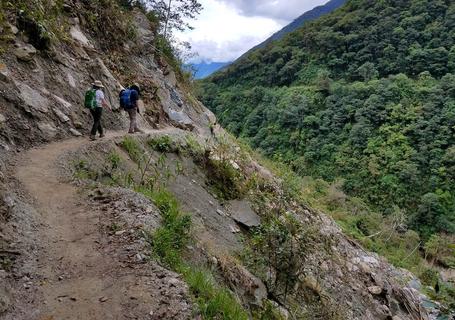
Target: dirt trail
79,278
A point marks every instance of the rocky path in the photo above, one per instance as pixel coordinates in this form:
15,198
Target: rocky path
77,276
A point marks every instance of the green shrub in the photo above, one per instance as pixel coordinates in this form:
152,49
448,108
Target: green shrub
83,171
194,149
429,277
214,302
132,147
163,144
42,21
169,240
226,181
114,160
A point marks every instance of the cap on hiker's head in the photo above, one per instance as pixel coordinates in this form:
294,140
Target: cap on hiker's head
98,84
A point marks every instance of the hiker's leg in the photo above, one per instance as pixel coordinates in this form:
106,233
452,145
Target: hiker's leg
95,123
131,114
134,122
100,125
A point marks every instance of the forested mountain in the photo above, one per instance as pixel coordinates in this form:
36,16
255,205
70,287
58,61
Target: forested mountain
311,15
366,95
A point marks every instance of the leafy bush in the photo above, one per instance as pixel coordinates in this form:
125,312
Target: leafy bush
83,171
111,22
132,147
163,144
214,302
42,21
170,239
226,181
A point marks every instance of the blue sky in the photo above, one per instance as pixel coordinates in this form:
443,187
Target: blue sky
228,28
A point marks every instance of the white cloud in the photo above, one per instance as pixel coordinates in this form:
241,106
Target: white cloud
228,28
276,9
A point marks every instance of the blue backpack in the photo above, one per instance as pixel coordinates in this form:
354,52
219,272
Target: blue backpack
125,99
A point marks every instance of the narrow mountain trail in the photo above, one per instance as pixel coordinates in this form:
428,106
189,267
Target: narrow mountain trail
78,277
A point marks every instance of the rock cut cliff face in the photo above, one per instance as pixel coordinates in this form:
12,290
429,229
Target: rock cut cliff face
43,91
41,100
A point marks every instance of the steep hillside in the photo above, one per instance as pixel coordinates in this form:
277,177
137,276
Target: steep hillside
364,99
365,95
178,222
308,16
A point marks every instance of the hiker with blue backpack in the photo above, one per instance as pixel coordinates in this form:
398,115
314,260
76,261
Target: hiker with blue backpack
95,101
129,102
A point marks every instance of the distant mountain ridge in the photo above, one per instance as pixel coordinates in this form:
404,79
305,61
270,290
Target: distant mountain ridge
204,70
311,15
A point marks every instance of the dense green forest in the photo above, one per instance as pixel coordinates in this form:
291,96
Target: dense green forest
364,97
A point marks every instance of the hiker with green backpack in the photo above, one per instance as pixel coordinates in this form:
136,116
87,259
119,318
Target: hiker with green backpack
95,102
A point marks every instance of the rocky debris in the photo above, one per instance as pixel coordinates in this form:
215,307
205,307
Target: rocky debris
121,232
5,299
8,201
33,99
75,133
175,96
2,118
71,80
144,30
60,115
4,72
13,29
79,36
243,282
375,290
24,52
243,214
63,103
75,120
180,118
48,130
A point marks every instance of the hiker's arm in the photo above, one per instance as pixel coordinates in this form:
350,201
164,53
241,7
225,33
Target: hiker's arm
105,104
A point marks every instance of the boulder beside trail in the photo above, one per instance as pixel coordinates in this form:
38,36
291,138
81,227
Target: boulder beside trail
243,214
34,101
25,53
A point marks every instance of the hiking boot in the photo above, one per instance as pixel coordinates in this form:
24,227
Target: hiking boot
102,135
138,130
92,138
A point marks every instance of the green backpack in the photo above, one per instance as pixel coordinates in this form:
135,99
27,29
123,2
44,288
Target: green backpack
90,99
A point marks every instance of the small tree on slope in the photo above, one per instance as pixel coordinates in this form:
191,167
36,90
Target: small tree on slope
174,14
